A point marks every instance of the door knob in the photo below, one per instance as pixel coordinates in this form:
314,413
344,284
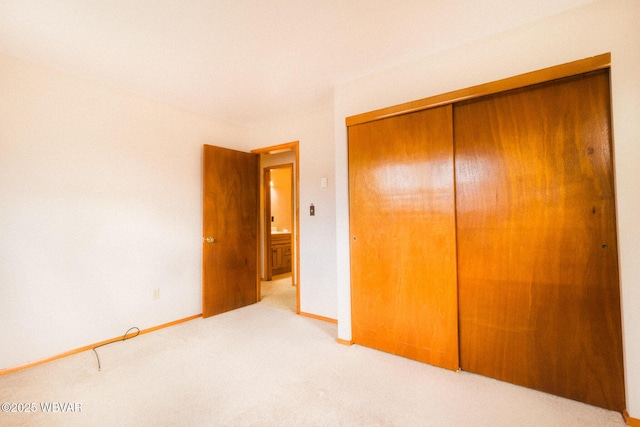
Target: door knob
209,239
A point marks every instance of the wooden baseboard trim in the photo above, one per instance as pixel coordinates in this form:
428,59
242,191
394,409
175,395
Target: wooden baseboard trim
89,347
315,316
344,342
633,422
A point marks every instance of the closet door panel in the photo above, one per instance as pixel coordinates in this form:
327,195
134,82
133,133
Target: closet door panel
539,295
402,222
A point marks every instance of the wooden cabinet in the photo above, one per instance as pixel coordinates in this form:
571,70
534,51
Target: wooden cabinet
280,253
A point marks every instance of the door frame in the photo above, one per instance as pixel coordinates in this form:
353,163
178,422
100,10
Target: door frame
266,214
569,69
275,149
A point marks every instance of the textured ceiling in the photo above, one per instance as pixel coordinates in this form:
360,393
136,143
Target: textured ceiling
247,61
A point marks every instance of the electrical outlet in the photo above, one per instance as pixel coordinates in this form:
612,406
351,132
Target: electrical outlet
156,293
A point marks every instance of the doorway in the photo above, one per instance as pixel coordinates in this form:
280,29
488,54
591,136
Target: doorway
279,226
278,219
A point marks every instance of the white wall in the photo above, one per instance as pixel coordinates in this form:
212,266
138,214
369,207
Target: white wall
604,26
317,233
100,203
100,196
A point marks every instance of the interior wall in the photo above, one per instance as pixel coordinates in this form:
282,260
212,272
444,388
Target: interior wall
101,204
600,27
314,132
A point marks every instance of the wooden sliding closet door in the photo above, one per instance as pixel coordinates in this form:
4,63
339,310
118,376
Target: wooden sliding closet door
402,222
537,251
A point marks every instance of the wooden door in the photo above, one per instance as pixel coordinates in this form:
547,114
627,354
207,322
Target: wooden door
230,230
537,250
402,222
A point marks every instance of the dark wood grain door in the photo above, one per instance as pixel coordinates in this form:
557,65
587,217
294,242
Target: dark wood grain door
230,230
537,250
402,222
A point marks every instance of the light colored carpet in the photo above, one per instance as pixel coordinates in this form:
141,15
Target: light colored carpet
279,293
263,365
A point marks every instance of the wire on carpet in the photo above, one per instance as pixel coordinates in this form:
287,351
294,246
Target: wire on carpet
124,338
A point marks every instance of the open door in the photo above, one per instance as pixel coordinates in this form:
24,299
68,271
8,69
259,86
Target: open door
230,230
